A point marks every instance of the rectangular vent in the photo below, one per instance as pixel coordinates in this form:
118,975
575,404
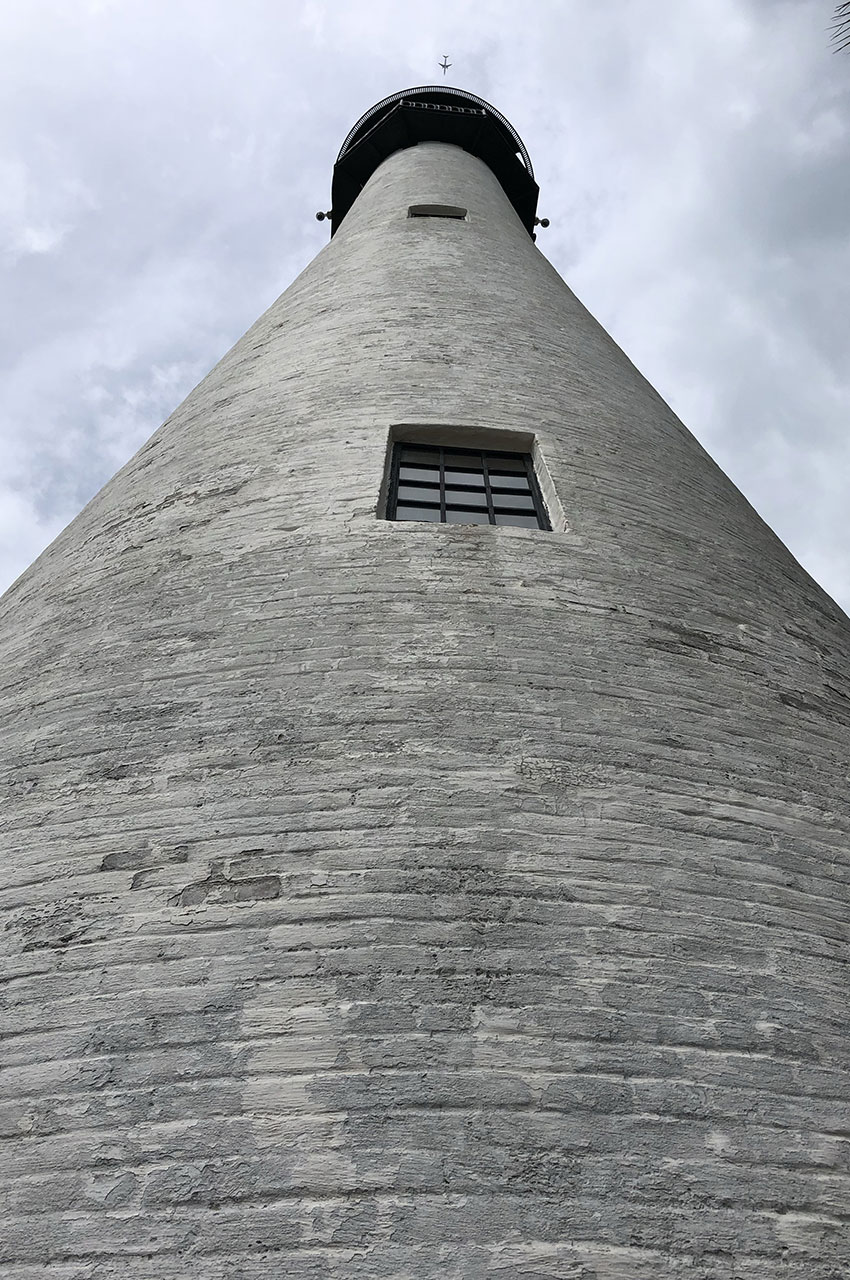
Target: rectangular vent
435,211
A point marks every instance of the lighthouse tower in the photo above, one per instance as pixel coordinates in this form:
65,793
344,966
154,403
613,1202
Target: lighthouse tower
424,801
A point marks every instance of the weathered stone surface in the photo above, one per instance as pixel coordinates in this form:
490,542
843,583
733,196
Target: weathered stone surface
384,900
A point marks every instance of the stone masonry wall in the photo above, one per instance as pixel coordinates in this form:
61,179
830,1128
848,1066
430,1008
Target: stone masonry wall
428,903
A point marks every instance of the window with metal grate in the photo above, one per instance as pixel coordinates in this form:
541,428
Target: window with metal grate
464,486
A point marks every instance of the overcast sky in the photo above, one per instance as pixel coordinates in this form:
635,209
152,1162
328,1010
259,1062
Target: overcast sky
161,163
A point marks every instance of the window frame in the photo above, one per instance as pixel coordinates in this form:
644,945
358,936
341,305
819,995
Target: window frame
482,468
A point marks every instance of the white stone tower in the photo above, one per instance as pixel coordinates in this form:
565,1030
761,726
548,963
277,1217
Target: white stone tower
430,898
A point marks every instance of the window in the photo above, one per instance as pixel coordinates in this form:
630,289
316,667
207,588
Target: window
435,211
464,486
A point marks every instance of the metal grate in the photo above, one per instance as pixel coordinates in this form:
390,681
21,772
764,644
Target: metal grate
464,486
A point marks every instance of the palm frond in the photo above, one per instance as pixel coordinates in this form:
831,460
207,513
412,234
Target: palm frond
840,26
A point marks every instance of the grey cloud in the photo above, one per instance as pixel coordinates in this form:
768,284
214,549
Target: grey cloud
163,163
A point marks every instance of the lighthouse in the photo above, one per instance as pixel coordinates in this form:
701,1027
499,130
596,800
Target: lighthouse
424,800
